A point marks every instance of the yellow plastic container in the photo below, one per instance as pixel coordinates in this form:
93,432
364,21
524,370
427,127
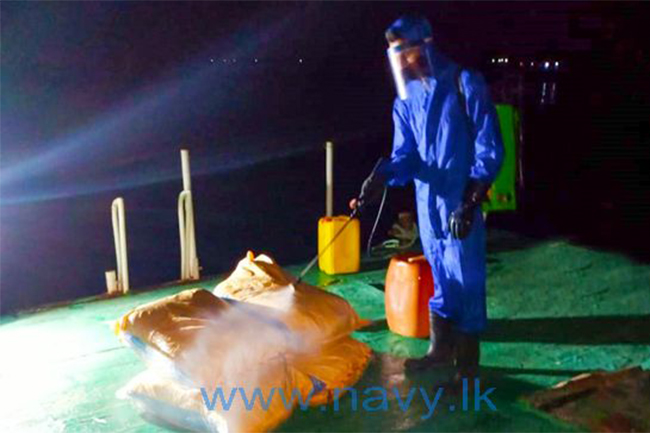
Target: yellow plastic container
344,255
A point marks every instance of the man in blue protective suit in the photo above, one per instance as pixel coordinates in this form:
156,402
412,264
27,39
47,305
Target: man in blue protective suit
447,141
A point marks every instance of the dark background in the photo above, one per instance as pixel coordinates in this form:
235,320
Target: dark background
97,98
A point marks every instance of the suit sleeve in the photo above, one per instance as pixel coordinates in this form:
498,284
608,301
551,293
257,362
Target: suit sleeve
488,144
404,164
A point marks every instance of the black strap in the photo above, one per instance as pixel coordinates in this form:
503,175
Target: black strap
462,100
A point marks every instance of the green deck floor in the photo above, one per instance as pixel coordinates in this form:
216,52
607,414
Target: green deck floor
555,310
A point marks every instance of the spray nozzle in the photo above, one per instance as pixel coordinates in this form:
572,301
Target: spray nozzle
371,188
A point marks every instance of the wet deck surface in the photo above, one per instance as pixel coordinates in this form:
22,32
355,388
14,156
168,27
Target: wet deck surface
555,309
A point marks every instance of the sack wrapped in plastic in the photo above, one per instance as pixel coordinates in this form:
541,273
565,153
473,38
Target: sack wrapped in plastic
195,340
312,311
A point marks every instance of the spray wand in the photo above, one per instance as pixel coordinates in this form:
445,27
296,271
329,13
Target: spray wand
357,209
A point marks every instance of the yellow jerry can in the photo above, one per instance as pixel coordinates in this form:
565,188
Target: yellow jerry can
344,255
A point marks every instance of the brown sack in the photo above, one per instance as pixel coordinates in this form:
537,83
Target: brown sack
282,337
317,314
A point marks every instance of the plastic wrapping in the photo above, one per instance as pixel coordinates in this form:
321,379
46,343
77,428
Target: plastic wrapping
282,340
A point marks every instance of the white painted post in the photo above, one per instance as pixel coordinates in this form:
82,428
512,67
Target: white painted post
185,166
111,282
329,178
119,236
182,199
193,260
189,259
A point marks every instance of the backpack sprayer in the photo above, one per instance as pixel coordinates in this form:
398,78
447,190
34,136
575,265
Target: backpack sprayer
361,202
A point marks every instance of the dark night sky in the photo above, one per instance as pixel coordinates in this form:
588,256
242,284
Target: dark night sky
97,98
64,64
85,76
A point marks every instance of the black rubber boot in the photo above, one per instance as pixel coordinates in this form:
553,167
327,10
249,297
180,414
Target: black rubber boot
468,354
441,346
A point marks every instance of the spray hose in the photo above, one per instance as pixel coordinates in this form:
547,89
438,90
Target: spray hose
374,226
354,213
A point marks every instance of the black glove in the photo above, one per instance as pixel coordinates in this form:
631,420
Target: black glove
461,220
372,187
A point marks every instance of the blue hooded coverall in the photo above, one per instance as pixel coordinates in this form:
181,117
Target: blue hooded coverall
440,144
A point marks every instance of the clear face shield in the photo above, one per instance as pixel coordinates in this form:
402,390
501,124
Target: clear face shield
410,61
